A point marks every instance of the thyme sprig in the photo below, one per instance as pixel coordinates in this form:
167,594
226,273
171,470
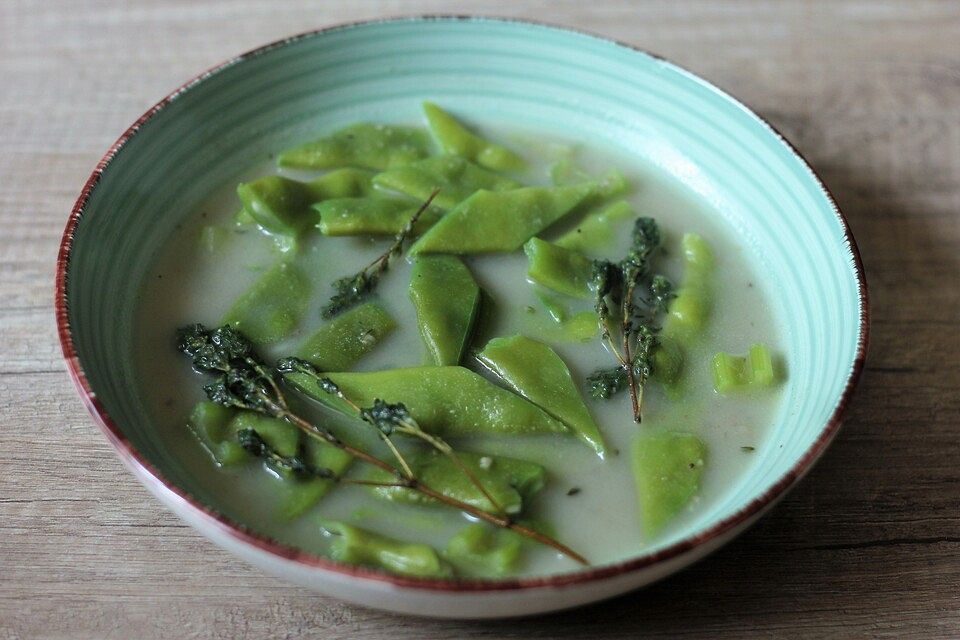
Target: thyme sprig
351,290
622,312
243,381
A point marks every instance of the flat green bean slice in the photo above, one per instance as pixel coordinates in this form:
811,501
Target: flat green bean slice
371,216
500,221
298,495
456,178
454,138
484,550
536,372
278,204
446,299
511,482
357,546
210,423
341,341
667,467
597,232
445,400
364,145
272,308
562,270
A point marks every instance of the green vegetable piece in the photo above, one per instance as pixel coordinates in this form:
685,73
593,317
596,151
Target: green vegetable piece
210,423
371,216
500,221
298,495
753,371
668,359
598,230
667,467
454,138
449,400
511,482
342,183
272,308
688,312
485,550
563,270
580,327
369,146
280,435
555,308
354,545
279,205
213,237
341,341
456,178
446,299
536,372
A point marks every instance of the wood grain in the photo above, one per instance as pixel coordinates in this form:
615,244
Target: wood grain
867,546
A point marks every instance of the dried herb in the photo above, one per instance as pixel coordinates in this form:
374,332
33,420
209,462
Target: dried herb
626,318
243,381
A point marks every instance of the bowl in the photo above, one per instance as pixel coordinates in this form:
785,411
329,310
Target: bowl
207,131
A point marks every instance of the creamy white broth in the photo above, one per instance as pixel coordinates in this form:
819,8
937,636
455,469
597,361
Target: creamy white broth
190,283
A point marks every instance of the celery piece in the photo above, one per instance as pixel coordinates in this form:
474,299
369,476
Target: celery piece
739,373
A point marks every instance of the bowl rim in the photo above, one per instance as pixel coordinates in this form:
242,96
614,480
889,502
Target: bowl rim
145,471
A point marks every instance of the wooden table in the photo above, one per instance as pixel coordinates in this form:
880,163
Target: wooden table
867,546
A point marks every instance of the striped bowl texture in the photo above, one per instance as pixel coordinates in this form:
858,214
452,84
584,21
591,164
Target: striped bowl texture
524,74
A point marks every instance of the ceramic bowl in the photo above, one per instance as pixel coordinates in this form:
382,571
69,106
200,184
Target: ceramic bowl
519,73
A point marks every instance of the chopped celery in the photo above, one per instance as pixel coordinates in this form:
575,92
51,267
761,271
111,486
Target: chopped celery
738,373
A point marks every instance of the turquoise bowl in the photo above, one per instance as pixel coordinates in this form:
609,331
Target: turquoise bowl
527,75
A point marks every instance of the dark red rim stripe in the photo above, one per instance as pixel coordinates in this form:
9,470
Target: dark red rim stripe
141,467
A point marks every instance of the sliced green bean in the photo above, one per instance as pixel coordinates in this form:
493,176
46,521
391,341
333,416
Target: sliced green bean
456,178
454,138
481,549
210,423
364,145
562,270
272,308
354,545
446,299
511,482
500,221
371,216
536,372
597,232
667,468
449,400
340,342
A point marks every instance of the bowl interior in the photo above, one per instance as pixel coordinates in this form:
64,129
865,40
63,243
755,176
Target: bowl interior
494,71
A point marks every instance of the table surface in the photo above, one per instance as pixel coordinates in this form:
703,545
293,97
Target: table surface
867,546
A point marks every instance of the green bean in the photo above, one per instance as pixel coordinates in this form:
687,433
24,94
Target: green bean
667,467
369,146
454,138
272,308
340,342
354,545
446,299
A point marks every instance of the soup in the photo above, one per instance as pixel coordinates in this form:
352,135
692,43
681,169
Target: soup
482,344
